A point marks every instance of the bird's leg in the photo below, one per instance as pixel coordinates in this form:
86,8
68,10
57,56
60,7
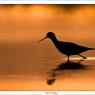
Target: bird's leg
83,56
68,57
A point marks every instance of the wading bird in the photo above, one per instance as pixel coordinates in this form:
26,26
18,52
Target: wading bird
67,48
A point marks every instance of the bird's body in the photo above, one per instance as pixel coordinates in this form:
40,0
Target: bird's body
67,48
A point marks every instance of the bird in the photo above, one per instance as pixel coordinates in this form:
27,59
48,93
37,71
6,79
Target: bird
67,48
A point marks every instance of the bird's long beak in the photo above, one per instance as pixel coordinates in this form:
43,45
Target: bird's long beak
42,39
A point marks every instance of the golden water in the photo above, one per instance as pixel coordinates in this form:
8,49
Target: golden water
27,67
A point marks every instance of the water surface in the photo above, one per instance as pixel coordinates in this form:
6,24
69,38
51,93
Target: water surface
29,66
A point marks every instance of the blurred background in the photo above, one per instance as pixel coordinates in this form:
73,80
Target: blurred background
24,62
24,23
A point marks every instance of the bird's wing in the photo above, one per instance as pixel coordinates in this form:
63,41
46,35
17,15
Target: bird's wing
67,44
73,45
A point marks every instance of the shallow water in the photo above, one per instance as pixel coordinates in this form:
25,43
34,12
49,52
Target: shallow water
30,67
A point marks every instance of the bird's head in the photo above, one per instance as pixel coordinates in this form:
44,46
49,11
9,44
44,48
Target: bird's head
48,35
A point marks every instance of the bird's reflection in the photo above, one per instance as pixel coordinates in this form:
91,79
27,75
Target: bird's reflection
68,65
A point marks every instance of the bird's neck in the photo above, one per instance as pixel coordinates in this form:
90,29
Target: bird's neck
54,40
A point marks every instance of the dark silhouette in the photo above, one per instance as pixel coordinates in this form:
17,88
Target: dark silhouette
50,81
67,48
68,65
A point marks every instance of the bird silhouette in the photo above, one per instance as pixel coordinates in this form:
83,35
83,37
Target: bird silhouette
67,48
